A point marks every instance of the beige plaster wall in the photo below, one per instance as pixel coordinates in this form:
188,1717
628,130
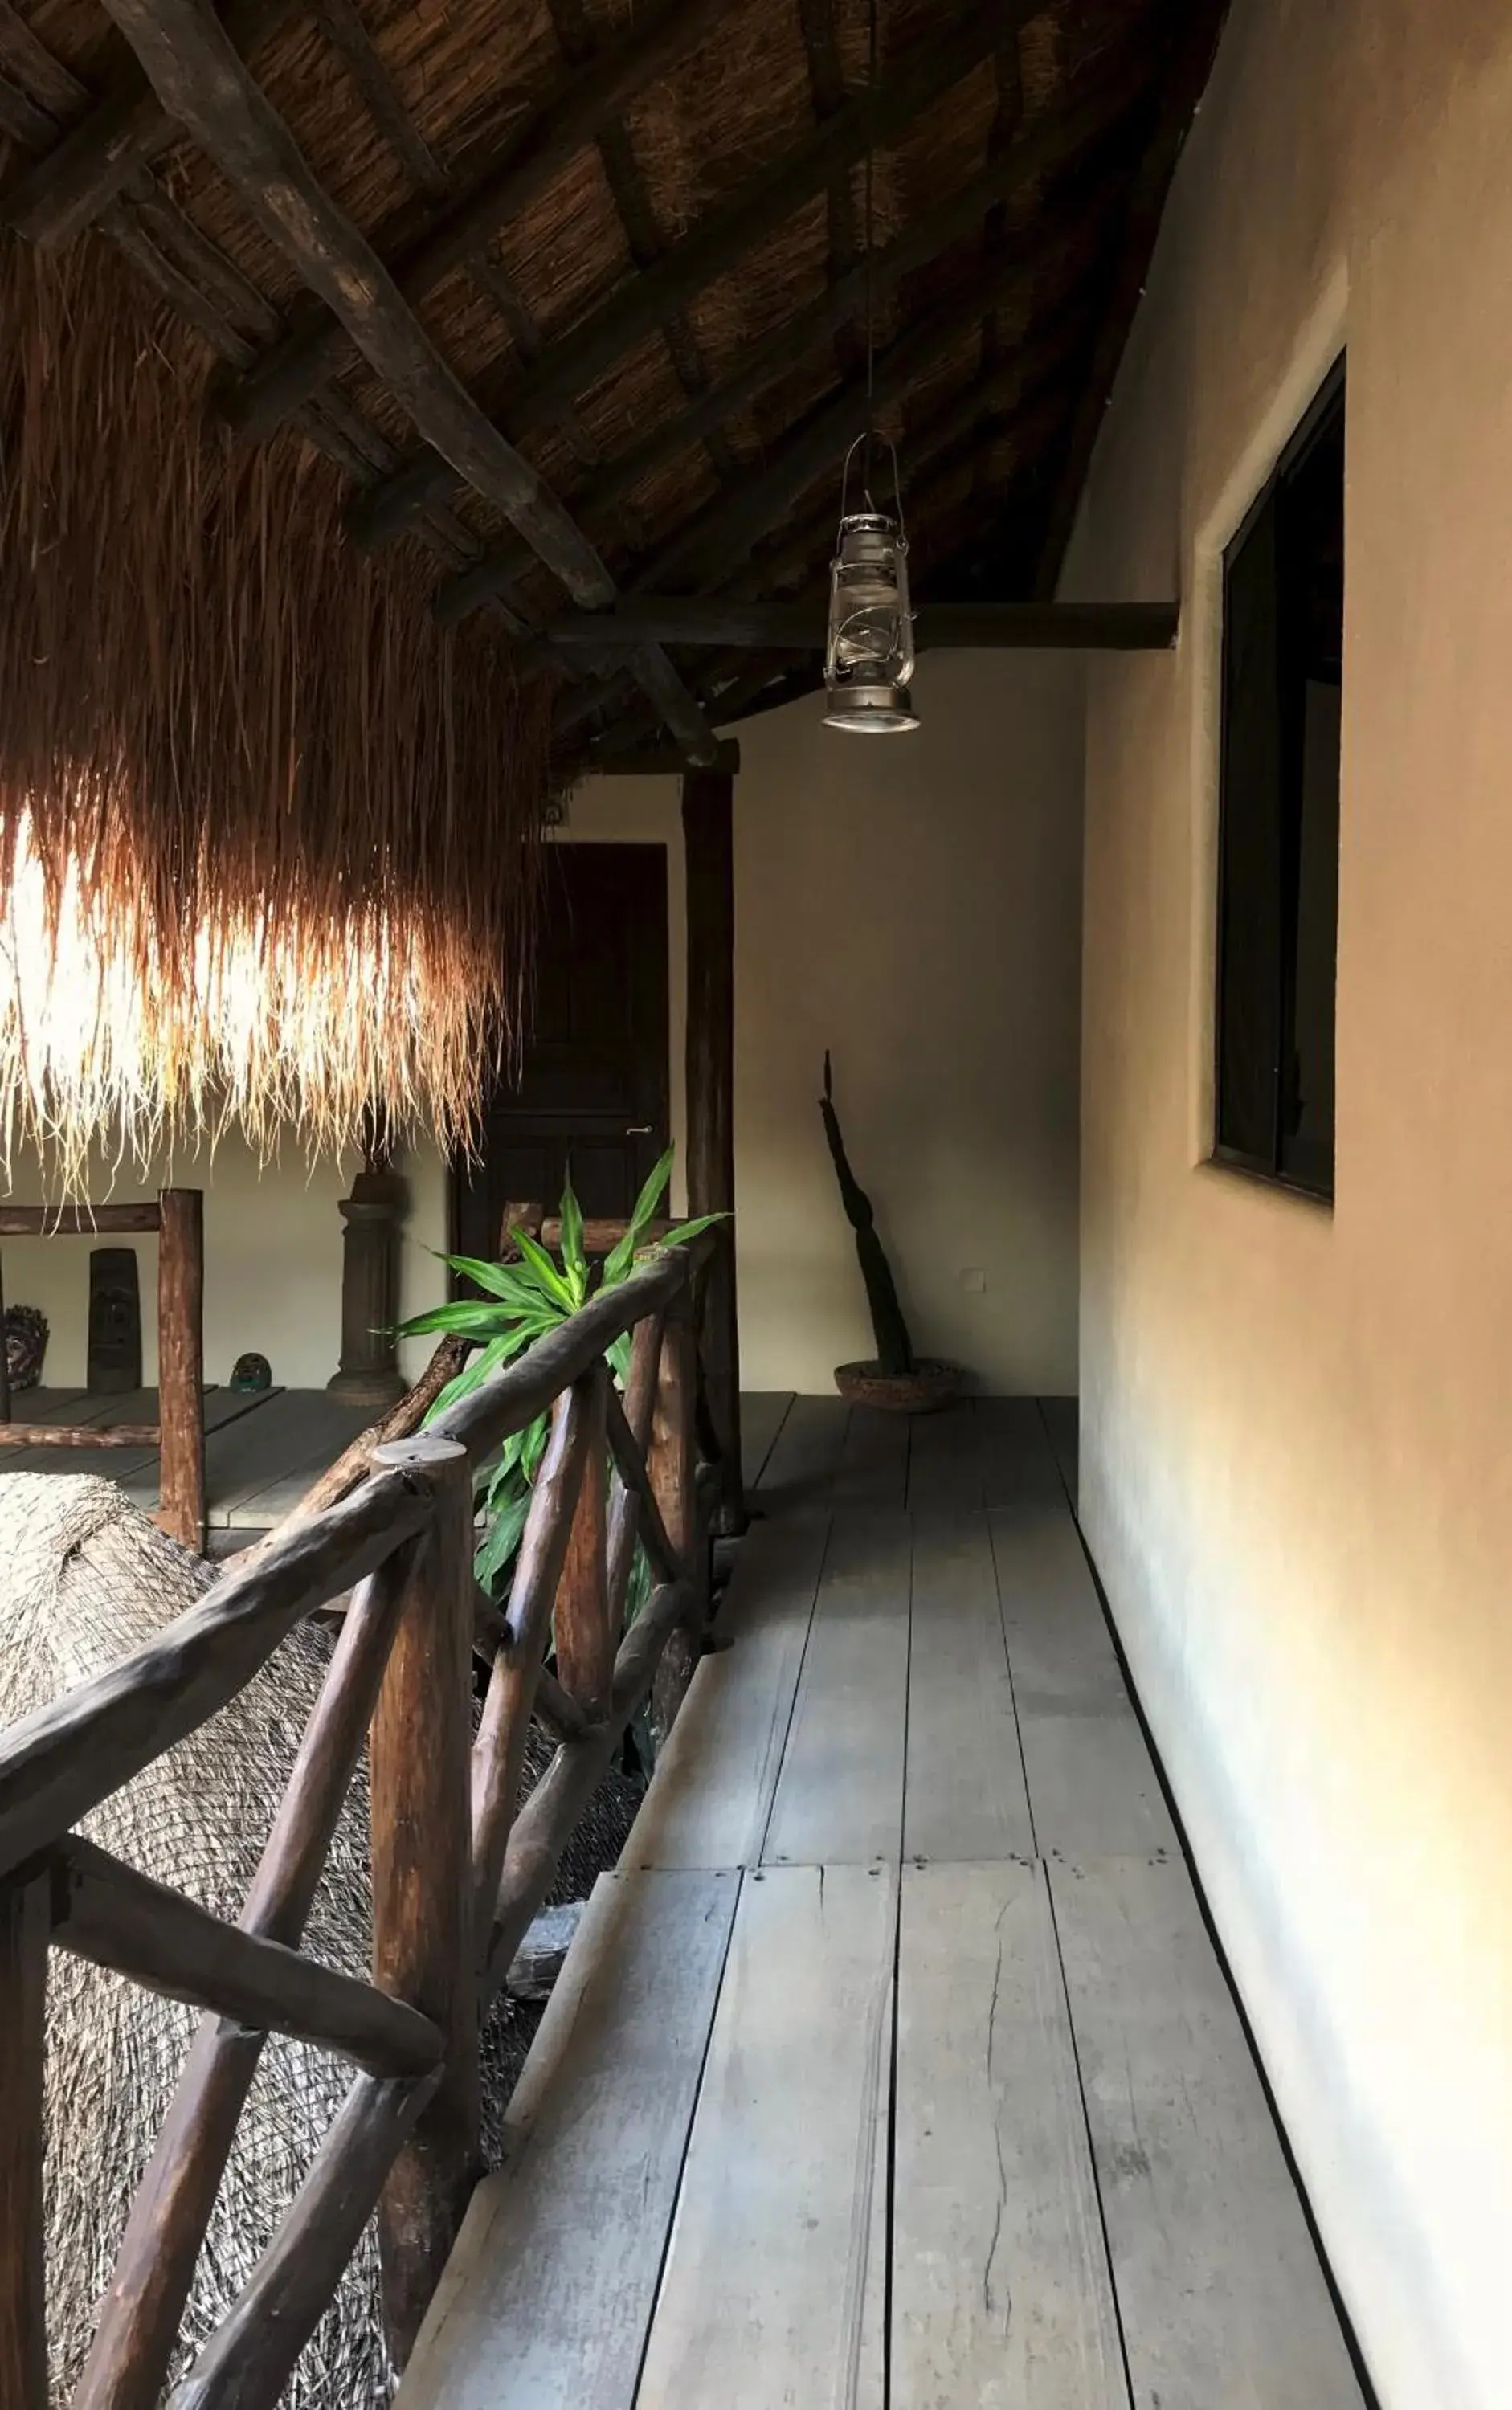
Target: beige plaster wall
914,904
1298,1423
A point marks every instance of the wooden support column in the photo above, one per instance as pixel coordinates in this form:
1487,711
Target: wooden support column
25,1918
422,1881
369,1373
708,839
181,1365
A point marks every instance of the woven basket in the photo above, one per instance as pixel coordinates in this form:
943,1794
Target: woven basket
930,1385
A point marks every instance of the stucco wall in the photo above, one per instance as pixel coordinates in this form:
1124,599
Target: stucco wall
913,904
1297,1423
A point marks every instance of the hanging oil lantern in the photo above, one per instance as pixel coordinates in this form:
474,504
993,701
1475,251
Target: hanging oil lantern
868,653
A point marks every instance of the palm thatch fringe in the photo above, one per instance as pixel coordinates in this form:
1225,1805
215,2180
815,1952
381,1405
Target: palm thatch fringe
268,836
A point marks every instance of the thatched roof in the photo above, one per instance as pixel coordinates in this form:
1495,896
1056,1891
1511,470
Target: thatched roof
513,312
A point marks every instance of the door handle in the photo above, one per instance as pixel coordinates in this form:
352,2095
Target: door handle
639,1129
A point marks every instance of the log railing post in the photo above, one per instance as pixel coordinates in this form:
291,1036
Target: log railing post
25,1919
422,1893
708,846
672,1461
585,1644
180,1368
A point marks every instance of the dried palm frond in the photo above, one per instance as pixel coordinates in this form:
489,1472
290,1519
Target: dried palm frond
268,836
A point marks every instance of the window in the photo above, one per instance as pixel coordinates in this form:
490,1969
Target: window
1278,837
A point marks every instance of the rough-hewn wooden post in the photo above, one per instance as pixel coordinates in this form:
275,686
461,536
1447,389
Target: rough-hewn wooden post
181,1364
25,1921
422,1913
585,1644
672,1461
708,840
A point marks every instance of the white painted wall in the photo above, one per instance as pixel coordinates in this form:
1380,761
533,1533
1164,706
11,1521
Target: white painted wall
913,904
1297,1424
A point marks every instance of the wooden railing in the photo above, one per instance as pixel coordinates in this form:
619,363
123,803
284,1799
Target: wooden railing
458,1866
176,1217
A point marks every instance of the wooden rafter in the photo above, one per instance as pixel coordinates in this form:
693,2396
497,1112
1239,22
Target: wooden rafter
729,524
1042,152
200,78
637,218
353,46
644,304
491,192
121,131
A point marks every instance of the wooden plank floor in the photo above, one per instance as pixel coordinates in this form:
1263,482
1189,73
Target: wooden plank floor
895,2070
262,1449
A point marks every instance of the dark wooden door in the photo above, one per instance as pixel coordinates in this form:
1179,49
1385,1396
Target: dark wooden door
593,1087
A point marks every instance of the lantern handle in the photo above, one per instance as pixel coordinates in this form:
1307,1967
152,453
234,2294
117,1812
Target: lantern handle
866,438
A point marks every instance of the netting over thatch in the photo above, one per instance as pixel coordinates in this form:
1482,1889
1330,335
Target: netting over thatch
266,832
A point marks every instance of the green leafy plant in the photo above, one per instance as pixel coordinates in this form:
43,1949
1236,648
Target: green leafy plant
520,1303
890,1331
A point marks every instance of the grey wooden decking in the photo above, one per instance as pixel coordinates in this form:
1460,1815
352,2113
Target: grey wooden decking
262,1451
894,2066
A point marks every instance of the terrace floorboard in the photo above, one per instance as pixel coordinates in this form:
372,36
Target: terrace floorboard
950,2103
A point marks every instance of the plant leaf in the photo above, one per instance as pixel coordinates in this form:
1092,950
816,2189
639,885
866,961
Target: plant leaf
503,1280
622,1255
552,1284
465,1317
685,1231
573,1261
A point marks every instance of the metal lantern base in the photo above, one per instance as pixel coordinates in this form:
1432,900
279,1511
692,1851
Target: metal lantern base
872,710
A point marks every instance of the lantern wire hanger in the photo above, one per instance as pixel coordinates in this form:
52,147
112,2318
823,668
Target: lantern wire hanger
868,652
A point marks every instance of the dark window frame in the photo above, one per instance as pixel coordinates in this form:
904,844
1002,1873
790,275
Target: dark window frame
1279,907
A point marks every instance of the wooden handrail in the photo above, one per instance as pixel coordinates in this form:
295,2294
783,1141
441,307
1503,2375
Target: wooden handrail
458,1867
61,1761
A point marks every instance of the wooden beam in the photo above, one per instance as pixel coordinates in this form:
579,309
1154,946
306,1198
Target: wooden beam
931,453
343,28
1039,151
137,1435
77,1221
197,76
708,848
729,524
797,626
658,761
115,1916
1188,62
77,178
200,81
497,188
930,67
